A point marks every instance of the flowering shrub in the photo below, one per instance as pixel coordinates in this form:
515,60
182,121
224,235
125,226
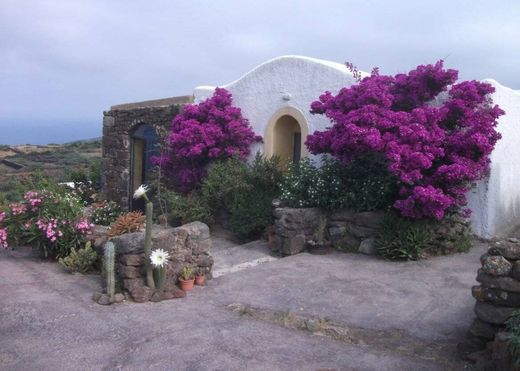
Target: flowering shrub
362,185
436,140
49,220
105,213
210,130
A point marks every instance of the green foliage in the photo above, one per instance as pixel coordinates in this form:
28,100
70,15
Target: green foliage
513,329
402,239
79,260
186,273
188,208
362,185
243,192
105,213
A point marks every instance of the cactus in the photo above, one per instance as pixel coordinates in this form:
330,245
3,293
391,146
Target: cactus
110,253
148,244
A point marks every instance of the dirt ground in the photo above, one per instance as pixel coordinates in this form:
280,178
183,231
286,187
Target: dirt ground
305,312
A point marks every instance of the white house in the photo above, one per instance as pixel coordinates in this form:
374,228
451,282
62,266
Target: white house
276,98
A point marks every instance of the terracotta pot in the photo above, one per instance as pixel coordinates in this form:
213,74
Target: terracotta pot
199,280
186,285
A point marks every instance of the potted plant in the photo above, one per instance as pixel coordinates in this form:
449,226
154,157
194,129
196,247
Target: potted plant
200,277
319,245
186,279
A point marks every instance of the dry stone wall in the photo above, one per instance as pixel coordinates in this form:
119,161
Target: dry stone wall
498,296
187,245
346,229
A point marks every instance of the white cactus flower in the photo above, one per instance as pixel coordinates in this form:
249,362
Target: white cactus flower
159,258
140,192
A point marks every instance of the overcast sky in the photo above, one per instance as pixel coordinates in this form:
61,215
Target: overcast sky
63,62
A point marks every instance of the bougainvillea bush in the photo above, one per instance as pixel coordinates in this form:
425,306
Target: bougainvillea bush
211,130
48,220
436,135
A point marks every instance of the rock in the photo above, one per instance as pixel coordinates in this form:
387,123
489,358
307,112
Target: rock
515,271
119,298
471,344
98,236
132,259
128,271
129,243
480,356
346,243
513,240
501,355
104,299
200,246
370,219
508,250
496,265
294,245
343,216
360,231
141,294
483,258
156,297
491,313
483,329
130,284
196,231
96,296
367,246
204,260
498,282
337,231
499,297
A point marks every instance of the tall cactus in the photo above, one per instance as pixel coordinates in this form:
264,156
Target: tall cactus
141,192
110,255
148,244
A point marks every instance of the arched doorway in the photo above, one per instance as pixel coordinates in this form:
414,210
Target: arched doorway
285,135
143,147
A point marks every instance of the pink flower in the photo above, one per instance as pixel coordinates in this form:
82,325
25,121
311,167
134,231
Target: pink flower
3,238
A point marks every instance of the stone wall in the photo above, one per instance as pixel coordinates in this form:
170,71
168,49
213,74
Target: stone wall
498,296
118,124
348,230
187,245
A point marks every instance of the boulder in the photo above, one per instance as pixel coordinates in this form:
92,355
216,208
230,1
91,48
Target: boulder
128,271
496,296
132,259
141,294
515,271
498,282
508,250
370,219
293,245
129,243
483,329
496,265
367,246
491,313
359,231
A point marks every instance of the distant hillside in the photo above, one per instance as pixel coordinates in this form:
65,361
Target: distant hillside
54,160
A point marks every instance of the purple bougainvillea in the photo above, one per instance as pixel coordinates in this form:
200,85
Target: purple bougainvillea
436,135
210,130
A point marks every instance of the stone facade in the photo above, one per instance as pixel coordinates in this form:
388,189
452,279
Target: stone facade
187,245
498,296
118,125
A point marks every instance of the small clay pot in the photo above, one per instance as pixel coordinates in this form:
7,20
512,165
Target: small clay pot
199,280
186,285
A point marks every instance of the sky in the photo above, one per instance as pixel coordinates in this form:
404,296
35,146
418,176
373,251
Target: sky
64,62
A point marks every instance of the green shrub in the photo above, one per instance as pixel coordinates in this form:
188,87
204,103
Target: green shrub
188,208
513,329
362,185
402,239
79,260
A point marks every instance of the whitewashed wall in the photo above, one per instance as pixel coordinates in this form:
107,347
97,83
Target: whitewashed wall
264,90
496,201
